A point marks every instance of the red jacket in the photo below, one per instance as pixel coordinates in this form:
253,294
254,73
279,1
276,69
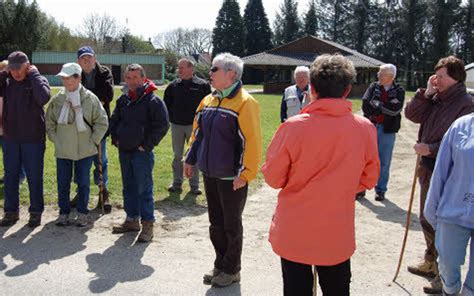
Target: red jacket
320,159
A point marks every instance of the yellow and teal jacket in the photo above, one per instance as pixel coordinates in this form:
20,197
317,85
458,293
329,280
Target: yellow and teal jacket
227,140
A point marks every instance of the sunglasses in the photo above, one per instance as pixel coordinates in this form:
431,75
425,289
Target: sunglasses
215,69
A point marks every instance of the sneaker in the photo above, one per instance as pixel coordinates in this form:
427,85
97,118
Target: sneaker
129,225
81,220
174,188
360,195
435,286
146,235
35,220
9,219
379,196
207,278
63,220
425,268
224,279
196,191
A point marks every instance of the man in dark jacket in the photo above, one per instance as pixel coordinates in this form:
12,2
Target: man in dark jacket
25,93
98,79
382,104
435,109
182,97
138,124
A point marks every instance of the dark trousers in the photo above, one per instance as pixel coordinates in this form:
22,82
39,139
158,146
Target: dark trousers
225,207
298,278
424,177
31,156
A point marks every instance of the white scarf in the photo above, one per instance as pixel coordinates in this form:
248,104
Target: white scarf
73,99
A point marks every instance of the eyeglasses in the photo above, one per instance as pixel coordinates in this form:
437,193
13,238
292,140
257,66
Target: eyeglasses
215,69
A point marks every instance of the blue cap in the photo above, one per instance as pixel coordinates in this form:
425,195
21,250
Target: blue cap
85,50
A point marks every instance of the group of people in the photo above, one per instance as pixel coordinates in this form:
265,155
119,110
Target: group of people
322,157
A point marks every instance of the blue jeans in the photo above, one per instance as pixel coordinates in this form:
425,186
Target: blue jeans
385,142
31,156
137,179
22,170
105,175
451,243
82,168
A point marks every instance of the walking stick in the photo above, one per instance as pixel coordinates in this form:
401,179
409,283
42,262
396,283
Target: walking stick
407,227
315,281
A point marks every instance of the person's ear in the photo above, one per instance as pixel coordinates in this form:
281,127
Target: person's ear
347,91
312,92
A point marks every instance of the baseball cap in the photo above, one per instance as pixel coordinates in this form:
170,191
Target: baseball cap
16,59
70,69
85,50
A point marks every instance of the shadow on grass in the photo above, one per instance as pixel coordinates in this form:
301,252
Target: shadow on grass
176,206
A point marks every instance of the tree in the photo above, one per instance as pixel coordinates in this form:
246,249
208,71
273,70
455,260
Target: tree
311,20
19,26
443,20
186,42
462,41
287,25
360,24
258,35
229,33
102,29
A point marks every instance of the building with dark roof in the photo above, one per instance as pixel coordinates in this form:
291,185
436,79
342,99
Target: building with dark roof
278,63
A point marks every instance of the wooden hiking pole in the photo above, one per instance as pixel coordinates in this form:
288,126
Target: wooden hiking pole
407,226
101,178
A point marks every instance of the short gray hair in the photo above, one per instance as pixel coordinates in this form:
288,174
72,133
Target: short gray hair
390,68
302,69
230,62
135,67
188,61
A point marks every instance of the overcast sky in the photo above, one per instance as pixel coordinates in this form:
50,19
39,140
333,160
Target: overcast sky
148,18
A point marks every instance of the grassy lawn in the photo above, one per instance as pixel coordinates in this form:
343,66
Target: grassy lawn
270,120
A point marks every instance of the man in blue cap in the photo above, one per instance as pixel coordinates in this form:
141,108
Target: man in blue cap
25,93
98,79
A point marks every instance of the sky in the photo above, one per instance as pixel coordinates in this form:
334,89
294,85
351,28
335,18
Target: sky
148,18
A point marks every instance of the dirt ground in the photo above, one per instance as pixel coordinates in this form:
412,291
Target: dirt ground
57,261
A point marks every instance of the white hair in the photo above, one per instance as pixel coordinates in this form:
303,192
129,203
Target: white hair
230,62
302,69
390,68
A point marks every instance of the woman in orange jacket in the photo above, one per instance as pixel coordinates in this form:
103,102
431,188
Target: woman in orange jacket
320,159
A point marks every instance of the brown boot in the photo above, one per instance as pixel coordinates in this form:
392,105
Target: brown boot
9,218
425,268
107,205
146,235
35,220
435,286
207,278
128,225
225,279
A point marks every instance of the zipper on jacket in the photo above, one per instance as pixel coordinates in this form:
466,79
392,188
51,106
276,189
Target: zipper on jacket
210,131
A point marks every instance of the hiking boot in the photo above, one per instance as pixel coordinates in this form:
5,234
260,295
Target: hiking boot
35,220
224,279
81,220
207,278
196,191
379,196
435,286
128,225
9,219
107,205
360,195
175,189
63,220
146,235
425,268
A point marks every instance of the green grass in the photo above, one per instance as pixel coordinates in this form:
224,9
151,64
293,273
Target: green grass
162,175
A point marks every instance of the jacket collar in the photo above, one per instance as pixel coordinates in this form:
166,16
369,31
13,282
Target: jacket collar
456,91
232,94
329,106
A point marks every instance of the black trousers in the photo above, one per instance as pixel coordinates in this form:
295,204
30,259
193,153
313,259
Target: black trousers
298,278
225,207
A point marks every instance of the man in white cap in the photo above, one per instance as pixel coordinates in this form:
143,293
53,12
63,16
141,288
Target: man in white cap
76,122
